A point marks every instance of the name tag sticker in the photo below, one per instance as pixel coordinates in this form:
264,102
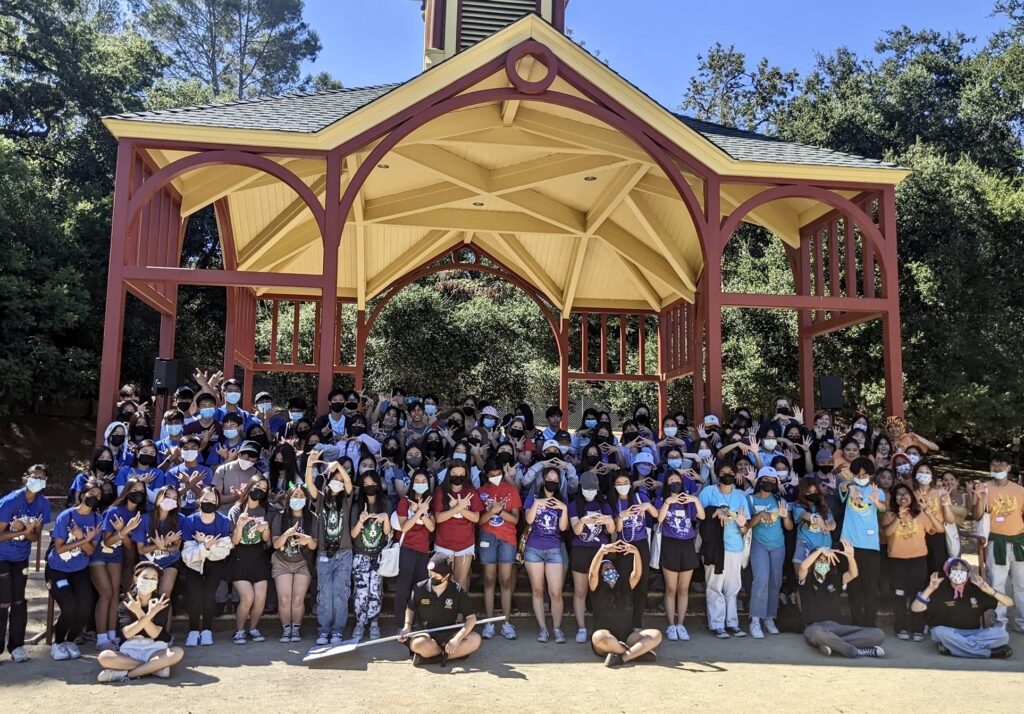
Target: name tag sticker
871,531
323,558
485,544
1000,519
61,584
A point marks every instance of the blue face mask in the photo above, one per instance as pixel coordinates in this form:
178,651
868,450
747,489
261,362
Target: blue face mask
459,456
207,412
675,463
174,429
232,397
610,576
490,422
430,409
590,423
643,469
231,433
295,416
297,504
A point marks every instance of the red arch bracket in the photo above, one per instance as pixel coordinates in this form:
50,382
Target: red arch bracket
539,52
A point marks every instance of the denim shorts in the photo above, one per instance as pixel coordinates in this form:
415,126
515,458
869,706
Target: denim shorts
493,550
543,555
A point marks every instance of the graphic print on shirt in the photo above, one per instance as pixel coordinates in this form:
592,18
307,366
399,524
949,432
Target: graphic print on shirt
372,534
592,532
769,517
678,521
495,520
906,529
632,525
1002,506
291,546
251,533
547,521
332,525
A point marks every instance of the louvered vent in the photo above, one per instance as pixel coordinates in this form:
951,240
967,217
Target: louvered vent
482,18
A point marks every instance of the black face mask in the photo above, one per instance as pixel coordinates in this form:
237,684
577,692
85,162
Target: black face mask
91,501
468,411
644,419
140,432
504,458
337,407
414,461
824,468
358,430
436,582
183,406
257,494
601,439
675,487
392,451
551,486
105,466
727,479
137,497
146,460
769,487
208,507
458,480
474,441
629,436
116,440
553,455
432,447
351,406
515,434
371,490
591,459
785,411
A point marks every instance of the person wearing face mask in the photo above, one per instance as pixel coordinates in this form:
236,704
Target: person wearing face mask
644,478
488,419
249,562
206,544
590,518
340,405
416,525
611,592
180,414
632,509
232,391
935,501
190,477
294,411
903,468
813,519
822,583
143,467
457,510
672,438
863,501
206,426
497,542
232,432
547,516
101,467
1003,502
74,538
728,510
265,414
23,513
332,506
289,564
170,438
439,601
230,478
371,530
551,455
356,440
158,537
120,521
282,472
642,417
679,512
767,551
585,432
392,468
954,606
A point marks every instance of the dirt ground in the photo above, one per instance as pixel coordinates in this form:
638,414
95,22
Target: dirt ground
707,673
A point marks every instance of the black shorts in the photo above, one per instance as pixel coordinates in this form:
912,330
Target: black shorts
908,575
249,565
581,557
678,555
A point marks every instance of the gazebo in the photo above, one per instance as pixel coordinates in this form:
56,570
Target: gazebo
514,153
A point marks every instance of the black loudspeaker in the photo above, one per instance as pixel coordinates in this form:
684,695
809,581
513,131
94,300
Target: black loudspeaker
165,376
831,388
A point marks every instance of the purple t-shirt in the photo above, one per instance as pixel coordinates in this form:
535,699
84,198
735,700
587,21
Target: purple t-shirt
634,528
680,522
545,534
592,535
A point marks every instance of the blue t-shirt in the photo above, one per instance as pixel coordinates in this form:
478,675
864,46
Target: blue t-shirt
711,498
126,472
189,498
249,419
220,527
141,536
860,525
816,535
75,559
545,534
113,553
592,535
634,528
15,506
769,531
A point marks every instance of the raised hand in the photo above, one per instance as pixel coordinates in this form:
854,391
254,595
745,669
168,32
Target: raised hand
798,414
935,580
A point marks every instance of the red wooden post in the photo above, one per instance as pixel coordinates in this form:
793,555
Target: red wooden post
333,224
584,340
805,341
851,258
697,356
623,321
113,313
295,331
713,278
892,345
362,331
819,267
563,369
230,329
833,258
664,355
641,339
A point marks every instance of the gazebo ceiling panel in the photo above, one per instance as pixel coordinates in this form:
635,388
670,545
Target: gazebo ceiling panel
387,244
603,276
267,212
553,254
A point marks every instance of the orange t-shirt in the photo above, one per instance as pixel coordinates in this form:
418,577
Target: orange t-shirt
1006,506
908,540
930,502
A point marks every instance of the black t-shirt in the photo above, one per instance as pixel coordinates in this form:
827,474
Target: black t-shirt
613,606
819,601
126,617
963,613
433,610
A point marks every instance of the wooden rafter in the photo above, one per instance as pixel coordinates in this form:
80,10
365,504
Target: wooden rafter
532,269
631,247
510,106
661,238
572,280
289,218
580,133
612,196
642,283
433,243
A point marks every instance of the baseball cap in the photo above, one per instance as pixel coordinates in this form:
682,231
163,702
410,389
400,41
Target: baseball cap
643,458
588,481
440,563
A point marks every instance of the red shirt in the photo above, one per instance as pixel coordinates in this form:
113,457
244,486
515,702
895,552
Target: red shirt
418,537
497,525
456,533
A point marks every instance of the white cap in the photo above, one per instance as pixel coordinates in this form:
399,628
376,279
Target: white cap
767,472
643,458
550,444
489,411
712,419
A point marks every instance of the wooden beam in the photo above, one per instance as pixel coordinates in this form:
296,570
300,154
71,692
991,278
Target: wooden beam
357,212
631,247
510,106
396,205
483,221
582,134
534,172
642,283
538,205
534,272
448,166
216,182
572,280
805,302
433,243
838,322
660,238
512,137
286,247
464,121
290,217
613,194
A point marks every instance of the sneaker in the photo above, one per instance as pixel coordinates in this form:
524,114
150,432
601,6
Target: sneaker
720,633
192,639
417,659
59,651
239,638
164,673
543,635
256,636
109,676
336,638
357,632
903,635
581,635
488,631
105,646
736,632
508,631
296,635
73,651
19,654
770,627
671,634
871,652
323,638
825,650
286,633
559,637
374,631
613,660
682,634
650,656
755,630
943,650
206,638
1001,652
917,637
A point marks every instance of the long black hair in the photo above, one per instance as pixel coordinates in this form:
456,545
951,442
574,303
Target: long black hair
282,474
380,503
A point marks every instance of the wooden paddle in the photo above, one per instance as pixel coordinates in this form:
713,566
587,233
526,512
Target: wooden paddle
323,652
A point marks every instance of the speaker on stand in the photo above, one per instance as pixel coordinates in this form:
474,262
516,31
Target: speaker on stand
830,386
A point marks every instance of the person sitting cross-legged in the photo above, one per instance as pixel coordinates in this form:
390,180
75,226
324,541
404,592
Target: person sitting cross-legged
954,606
611,598
439,601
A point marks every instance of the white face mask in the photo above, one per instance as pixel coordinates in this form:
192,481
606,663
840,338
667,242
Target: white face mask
862,481
590,494
704,453
902,468
168,504
337,486
623,489
35,485
1000,475
265,406
190,454
783,474
564,448
146,586
495,480
419,488
245,464
769,444
958,577
913,458
232,397
297,504
230,433
671,431
924,478
860,427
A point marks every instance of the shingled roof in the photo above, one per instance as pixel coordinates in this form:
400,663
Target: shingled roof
312,112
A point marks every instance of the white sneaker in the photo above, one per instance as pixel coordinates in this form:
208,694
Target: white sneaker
769,625
581,635
164,673
543,635
206,638
755,630
192,639
488,631
682,634
671,634
357,632
73,651
112,675
286,633
19,654
508,631
336,638
296,635
374,630
59,651
256,636
323,638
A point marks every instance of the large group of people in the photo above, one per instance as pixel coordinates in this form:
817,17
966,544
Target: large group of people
208,507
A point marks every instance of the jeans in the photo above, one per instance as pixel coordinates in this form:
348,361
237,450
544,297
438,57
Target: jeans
76,598
977,644
334,585
543,555
202,591
412,568
493,550
369,587
843,639
721,591
13,577
863,590
1011,572
766,566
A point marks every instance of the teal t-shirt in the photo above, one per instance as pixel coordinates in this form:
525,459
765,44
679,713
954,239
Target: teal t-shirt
860,525
769,531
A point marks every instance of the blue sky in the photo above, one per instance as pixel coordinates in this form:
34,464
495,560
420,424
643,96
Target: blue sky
654,43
